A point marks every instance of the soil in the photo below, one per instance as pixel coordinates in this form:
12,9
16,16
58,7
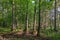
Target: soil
20,34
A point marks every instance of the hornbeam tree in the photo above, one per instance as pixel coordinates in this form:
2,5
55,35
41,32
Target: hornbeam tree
26,22
12,27
55,17
38,31
34,21
42,5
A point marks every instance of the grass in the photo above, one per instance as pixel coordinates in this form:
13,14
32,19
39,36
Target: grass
2,30
52,35
7,29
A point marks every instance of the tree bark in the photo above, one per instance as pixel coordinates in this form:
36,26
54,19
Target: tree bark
26,23
13,26
55,17
26,27
34,21
39,26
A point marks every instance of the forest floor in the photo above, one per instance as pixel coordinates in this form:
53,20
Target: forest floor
6,34
19,36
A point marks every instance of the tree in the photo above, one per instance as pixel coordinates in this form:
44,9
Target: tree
13,26
55,17
26,23
42,5
38,30
34,21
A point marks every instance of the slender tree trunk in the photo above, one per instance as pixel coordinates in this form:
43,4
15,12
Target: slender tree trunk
34,24
12,27
55,18
39,26
26,27
26,23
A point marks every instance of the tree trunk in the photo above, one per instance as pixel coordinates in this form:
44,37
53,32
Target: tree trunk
34,24
13,26
55,18
26,27
38,30
26,23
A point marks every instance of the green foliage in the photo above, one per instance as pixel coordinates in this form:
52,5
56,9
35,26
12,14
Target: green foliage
46,4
